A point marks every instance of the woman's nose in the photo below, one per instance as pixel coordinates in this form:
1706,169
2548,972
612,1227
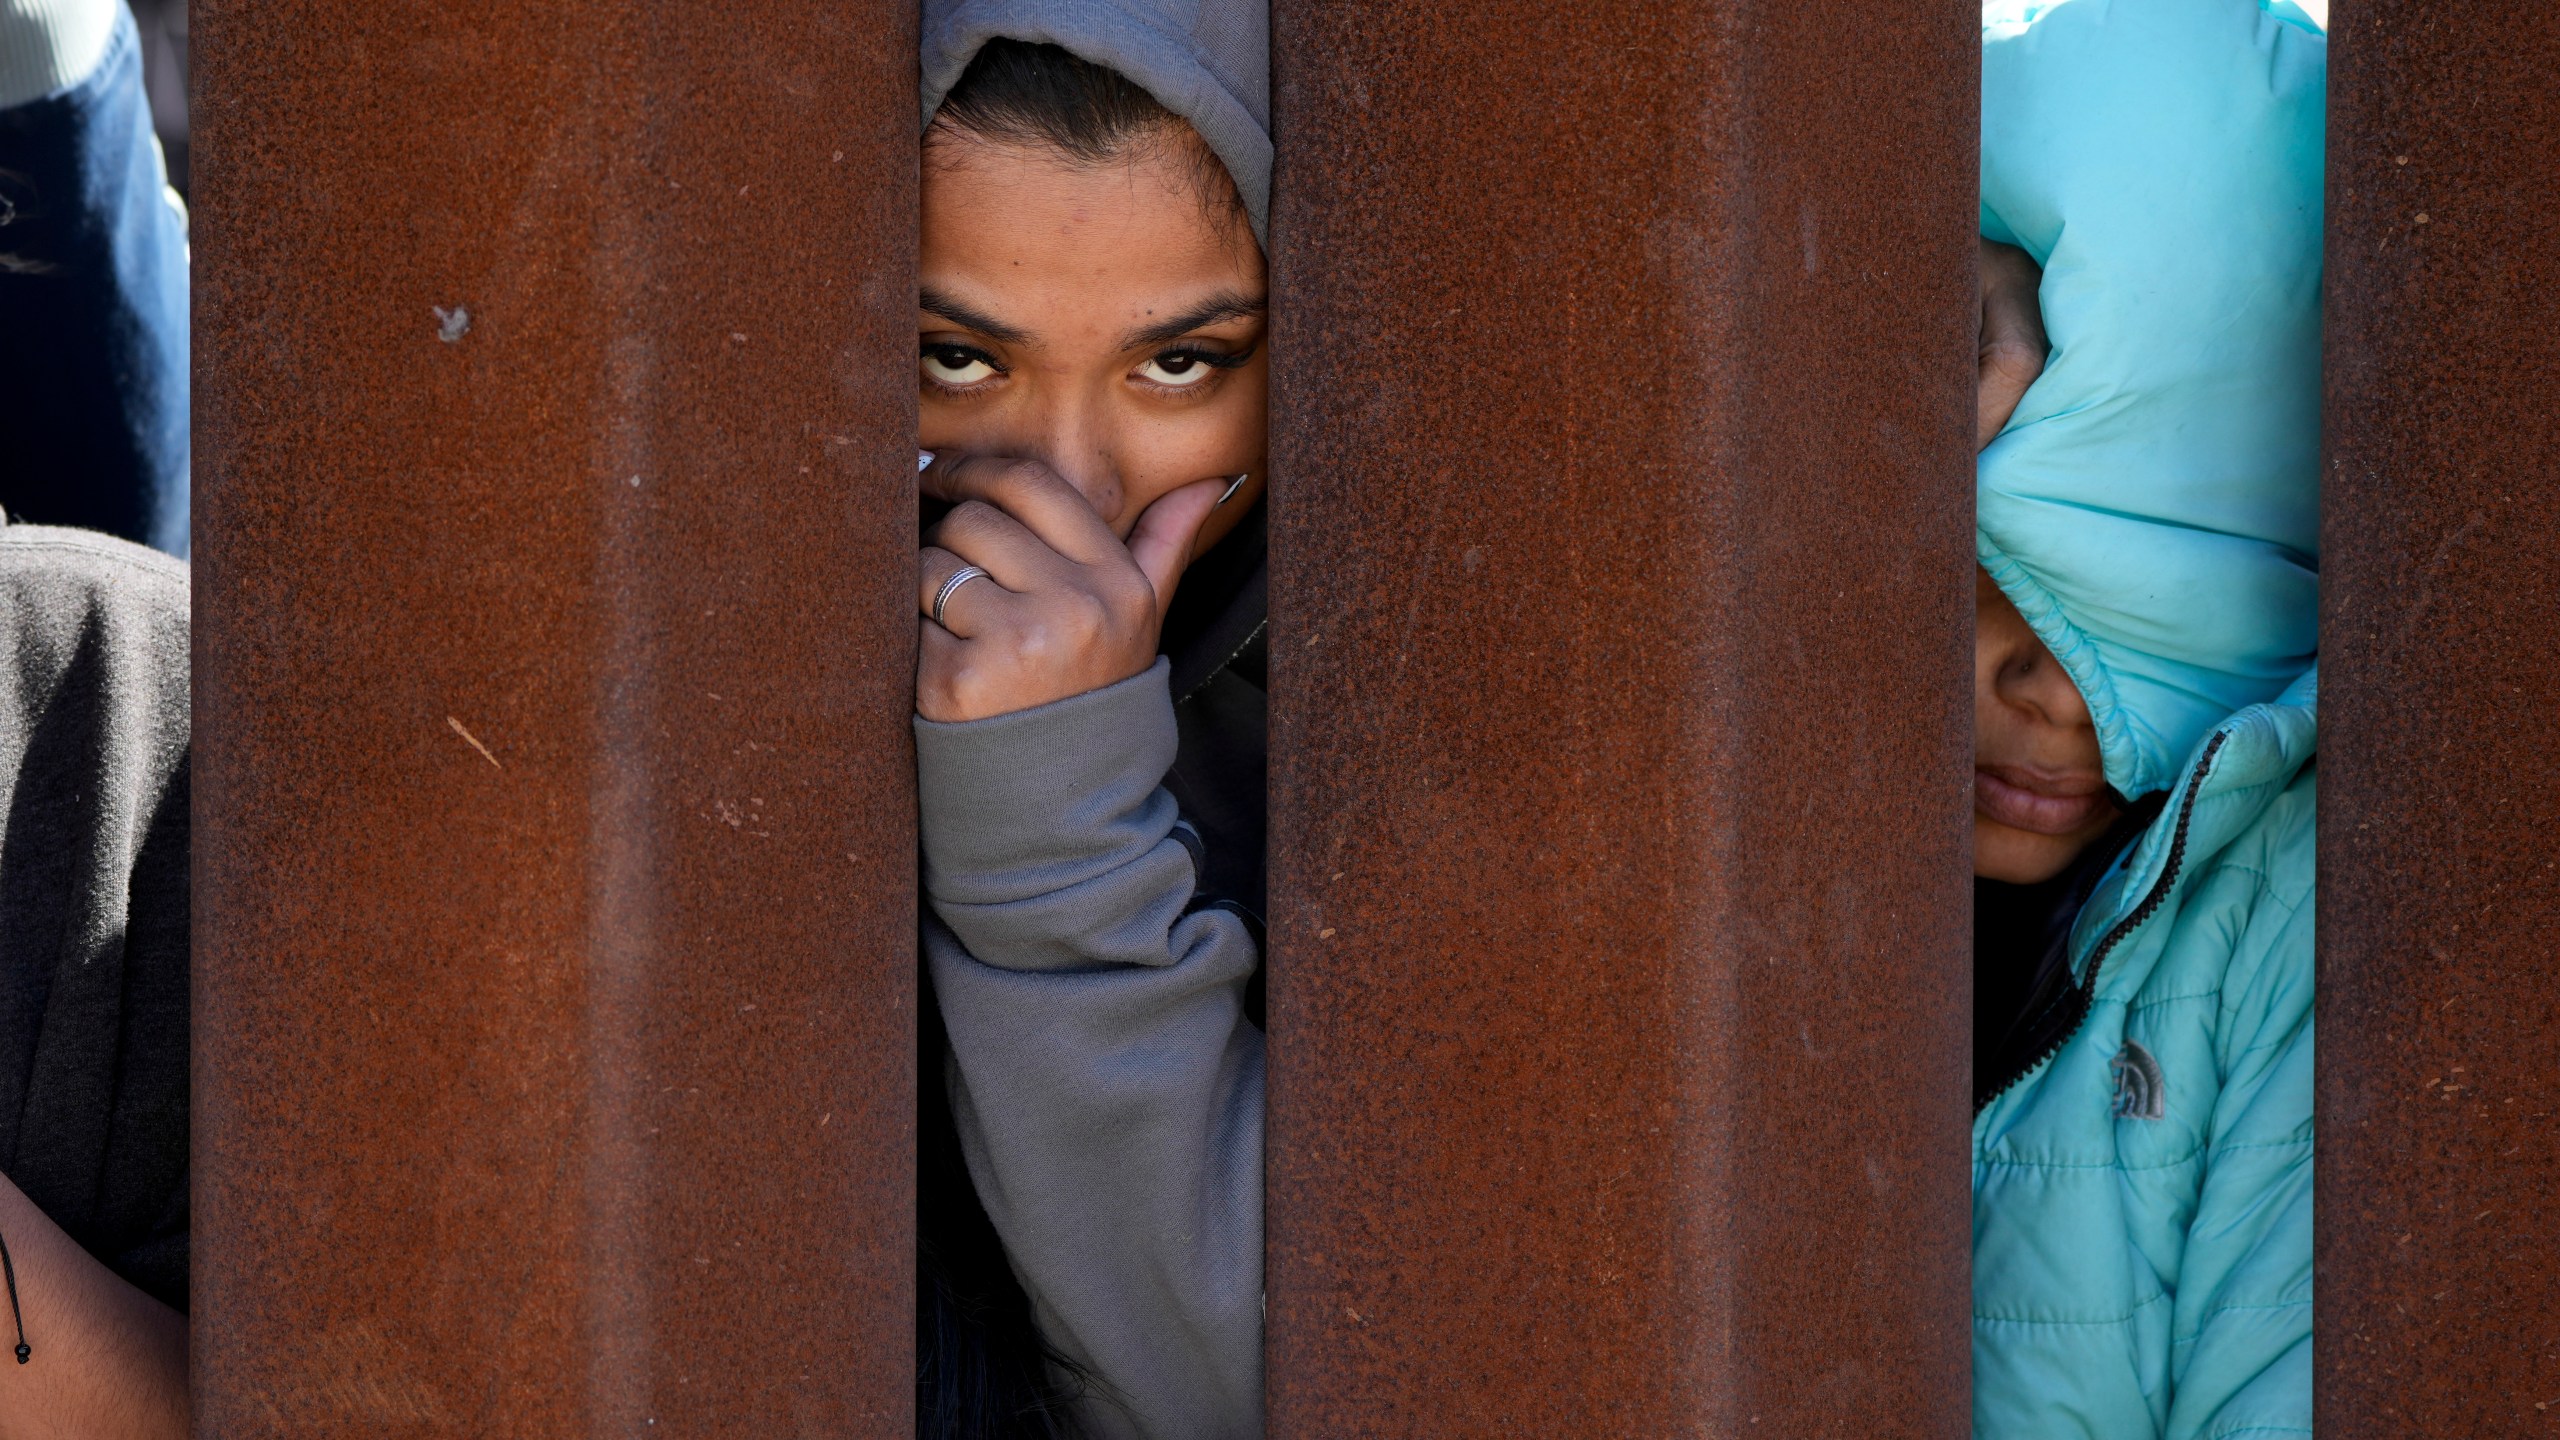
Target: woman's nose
1080,452
1098,481
1071,433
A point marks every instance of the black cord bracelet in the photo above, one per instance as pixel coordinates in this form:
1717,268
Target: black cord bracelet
10,1269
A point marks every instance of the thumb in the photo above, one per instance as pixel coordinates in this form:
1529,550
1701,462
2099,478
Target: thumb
1165,533
2008,367
2014,345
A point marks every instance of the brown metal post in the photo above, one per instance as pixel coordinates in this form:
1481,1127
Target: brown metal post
1622,513
2439,1247
555,925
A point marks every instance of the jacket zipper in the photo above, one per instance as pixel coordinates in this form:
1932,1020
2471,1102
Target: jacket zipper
2077,1000
1221,667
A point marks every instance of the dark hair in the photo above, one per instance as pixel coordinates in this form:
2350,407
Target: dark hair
1026,94
983,1371
1044,96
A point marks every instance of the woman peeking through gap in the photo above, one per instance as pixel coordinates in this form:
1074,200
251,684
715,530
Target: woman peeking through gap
1090,732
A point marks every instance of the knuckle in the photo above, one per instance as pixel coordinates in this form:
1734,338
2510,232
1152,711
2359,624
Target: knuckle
1031,643
1116,580
1024,478
2015,359
1069,625
934,697
1085,617
969,518
1132,594
935,686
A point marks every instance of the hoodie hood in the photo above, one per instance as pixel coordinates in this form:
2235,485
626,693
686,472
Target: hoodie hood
1208,61
2153,507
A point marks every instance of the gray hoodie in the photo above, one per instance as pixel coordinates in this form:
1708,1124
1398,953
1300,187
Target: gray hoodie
1208,61
1093,877
1093,883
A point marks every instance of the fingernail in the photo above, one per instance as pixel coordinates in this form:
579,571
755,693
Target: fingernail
924,461
1232,487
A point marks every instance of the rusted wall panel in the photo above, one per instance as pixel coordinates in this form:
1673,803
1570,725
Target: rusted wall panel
2439,1248
1622,520
555,911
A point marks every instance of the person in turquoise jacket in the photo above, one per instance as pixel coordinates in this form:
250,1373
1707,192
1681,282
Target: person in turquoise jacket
2147,538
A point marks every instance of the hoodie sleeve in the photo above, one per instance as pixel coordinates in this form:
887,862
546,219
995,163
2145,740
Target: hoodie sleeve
1104,1079
2241,1354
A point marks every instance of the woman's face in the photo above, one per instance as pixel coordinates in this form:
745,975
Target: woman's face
2039,790
1106,320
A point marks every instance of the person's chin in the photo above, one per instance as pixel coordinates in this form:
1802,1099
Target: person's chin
2019,857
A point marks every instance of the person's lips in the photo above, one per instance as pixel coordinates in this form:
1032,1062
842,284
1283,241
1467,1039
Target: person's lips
2036,801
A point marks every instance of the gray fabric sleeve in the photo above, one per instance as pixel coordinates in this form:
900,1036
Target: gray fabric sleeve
1105,1081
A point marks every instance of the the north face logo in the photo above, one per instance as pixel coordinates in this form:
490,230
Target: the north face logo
2141,1094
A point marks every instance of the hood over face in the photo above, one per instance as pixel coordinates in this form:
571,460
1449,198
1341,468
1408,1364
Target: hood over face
2153,507
1208,61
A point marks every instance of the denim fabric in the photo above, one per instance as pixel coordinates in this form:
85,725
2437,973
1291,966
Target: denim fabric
93,312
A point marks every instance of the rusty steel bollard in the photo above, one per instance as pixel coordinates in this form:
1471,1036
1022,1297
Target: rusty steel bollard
555,840
1621,742
2438,1266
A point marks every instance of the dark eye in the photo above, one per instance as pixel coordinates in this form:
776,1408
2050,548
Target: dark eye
1179,368
955,367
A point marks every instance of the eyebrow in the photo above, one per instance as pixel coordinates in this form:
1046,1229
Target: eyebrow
1225,305
934,302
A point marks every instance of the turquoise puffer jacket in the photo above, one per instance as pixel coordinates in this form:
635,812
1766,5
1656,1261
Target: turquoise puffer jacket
2142,1200
2142,1196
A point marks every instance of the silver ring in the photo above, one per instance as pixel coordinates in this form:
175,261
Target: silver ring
959,577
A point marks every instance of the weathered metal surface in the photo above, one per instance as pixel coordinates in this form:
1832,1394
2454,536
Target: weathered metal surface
2439,1249
555,840
1621,782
